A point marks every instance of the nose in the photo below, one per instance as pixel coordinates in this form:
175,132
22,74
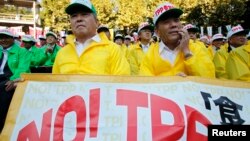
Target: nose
79,18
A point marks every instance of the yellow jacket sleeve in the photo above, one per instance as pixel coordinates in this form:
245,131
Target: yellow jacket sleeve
238,64
219,60
200,64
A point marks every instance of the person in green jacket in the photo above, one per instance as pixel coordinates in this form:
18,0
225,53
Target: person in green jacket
50,49
13,62
35,54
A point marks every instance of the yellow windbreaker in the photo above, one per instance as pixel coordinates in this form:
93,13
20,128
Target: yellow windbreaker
198,65
103,58
219,60
211,51
124,50
238,63
135,58
202,46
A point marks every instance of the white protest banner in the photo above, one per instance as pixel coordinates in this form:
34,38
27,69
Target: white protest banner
112,108
220,29
209,31
229,27
202,31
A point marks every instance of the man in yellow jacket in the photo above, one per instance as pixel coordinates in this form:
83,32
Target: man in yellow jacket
236,38
138,51
174,55
238,64
88,52
193,31
217,41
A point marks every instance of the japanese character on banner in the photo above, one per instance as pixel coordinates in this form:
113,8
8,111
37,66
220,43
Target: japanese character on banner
229,110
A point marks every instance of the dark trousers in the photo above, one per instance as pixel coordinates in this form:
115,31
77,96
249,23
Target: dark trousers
5,99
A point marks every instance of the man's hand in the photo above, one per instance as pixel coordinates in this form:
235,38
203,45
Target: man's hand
184,42
182,74
49,49
10,85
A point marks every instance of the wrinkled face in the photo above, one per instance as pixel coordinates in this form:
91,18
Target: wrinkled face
83,24
119,41
238,40
145,34
6,41
218,43
168,30
192,35
50,39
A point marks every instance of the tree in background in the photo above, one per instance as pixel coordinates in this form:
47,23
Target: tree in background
106,12
11,9
245,17
228,13
53,14
219,13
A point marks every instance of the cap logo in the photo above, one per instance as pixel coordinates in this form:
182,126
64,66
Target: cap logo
163,9
237,28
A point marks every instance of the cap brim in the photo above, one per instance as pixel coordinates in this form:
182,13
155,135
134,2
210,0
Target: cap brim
102,29
48,34
172,13
76,7
119,37
245,31
193,30
150,27
7,34
27,41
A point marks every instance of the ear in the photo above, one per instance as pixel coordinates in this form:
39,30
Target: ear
97,23
157,31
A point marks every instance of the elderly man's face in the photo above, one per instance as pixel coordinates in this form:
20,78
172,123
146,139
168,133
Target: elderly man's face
50,39
168,30
145,34
218,43
6,41
28,45
193,35
238,40
119,41
83,24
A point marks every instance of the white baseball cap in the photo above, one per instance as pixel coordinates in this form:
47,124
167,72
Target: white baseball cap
51,33
236,29
128,37
28,38
166,9
204,37
119,36
217,36
145,25
41,37
102,27
80,5
190,27
6,32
